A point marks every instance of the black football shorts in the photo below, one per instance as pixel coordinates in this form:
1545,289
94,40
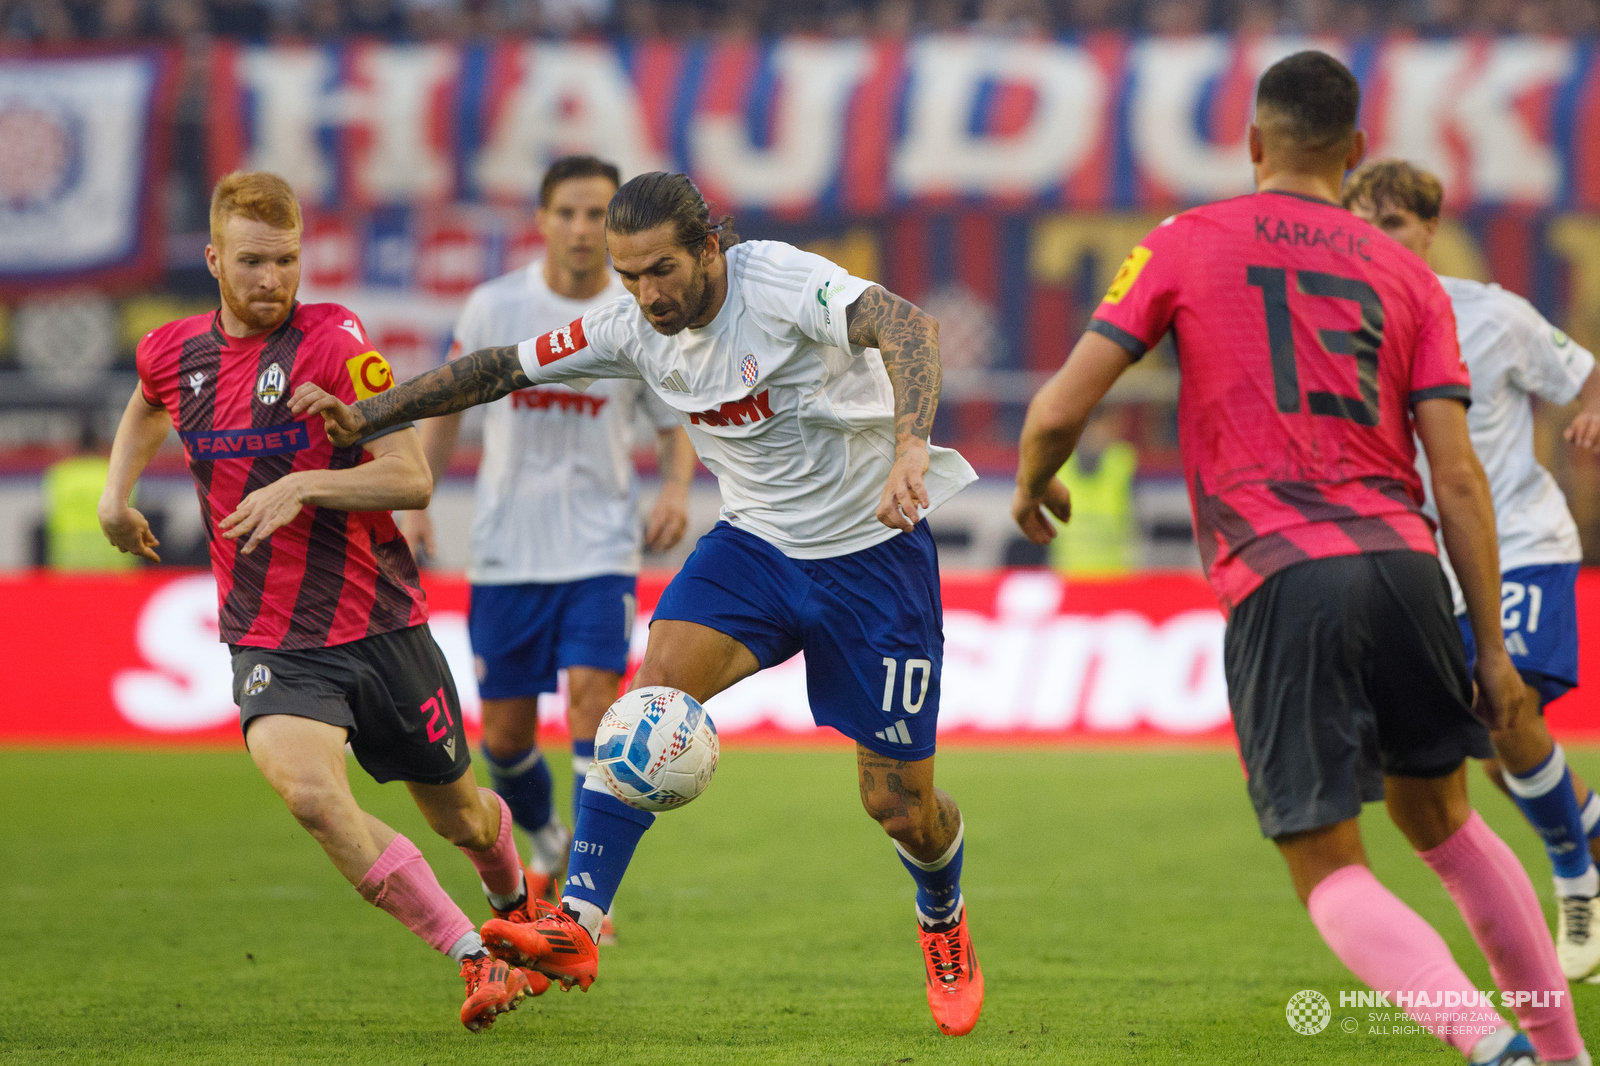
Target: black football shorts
1341,671
392,692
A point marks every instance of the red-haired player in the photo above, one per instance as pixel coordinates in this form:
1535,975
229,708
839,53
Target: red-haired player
319,597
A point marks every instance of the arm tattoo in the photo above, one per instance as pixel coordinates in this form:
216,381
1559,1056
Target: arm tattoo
908,337
485,375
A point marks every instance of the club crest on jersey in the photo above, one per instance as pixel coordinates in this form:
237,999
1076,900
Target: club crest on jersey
260,677
749,371
270,385
559,343
369,374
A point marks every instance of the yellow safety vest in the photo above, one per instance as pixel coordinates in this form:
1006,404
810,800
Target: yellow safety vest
72,489
1100,539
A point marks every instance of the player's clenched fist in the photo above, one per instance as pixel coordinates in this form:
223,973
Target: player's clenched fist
342,422
1026,510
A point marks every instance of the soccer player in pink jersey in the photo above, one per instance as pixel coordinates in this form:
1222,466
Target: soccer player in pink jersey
1311,347
319,597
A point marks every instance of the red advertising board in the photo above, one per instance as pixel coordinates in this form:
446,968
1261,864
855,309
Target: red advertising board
1027,659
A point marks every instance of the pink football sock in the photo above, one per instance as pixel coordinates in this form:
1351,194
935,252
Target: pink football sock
402,883
499,865
1389,946
1494,895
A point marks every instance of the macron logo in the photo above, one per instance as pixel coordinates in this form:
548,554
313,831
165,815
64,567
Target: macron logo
350,327
751,409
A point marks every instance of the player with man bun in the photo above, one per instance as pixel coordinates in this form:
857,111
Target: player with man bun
810,394
319,597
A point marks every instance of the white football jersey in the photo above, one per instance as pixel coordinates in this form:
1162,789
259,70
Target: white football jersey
796,423
556,496
1513,354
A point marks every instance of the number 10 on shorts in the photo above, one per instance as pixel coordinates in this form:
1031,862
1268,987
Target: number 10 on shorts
918,675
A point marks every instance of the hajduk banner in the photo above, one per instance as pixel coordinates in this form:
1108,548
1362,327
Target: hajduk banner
996,181
1028,659
82,154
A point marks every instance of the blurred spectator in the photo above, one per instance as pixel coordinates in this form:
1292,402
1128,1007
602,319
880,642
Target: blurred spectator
71,489
1102,539
1175,17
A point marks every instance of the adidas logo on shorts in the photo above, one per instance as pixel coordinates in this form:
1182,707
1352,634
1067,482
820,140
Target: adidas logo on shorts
895,734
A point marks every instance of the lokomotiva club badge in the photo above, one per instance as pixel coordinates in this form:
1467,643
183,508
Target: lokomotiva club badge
1308,1012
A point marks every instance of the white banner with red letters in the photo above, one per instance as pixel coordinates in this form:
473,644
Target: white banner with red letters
1027,659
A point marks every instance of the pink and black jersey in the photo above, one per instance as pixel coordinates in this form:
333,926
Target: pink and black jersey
1304,335
328,577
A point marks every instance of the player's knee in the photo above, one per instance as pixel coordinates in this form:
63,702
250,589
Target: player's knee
901,825
1496,776
314,804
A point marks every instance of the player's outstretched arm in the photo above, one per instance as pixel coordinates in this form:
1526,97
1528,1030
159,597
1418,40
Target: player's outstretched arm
397,479
139,436
1055,421
481,377
1466,520
1584,431
908,338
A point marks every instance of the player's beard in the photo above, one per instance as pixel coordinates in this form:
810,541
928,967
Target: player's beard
257,320
696,302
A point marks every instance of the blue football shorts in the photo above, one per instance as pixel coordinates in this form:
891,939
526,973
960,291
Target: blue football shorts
1539,613
870,624
523,634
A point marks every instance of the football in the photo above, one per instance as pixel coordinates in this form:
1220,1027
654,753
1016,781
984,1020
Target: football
656,748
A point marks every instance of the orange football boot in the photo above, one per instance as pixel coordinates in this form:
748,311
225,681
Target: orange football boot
955,983
522,914
555,945
492,988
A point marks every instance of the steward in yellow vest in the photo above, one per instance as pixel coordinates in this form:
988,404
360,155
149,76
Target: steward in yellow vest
1101,540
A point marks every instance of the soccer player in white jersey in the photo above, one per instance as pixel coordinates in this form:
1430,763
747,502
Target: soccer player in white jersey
556,535
1513,354
810,394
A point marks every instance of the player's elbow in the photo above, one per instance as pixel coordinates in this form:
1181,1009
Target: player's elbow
414,487
1459,478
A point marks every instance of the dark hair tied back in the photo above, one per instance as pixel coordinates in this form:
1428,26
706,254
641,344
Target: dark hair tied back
660,198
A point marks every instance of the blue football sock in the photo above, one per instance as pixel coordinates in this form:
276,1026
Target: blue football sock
603,840
524,782
582,759
938,882
1544,795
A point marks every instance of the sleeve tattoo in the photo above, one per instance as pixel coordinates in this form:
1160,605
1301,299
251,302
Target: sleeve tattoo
908,337
485,375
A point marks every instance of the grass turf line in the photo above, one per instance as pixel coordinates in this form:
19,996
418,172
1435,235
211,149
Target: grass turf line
163,907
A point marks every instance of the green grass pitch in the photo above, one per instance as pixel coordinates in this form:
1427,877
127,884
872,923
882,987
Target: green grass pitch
162,907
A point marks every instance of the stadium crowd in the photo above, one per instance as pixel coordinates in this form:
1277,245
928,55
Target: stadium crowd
125,20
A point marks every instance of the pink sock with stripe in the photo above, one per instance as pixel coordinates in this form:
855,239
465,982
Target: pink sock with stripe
1390,947
1494,895
499,865
402,883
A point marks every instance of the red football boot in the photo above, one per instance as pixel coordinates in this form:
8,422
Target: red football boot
522,914
955,983
492,988
555,945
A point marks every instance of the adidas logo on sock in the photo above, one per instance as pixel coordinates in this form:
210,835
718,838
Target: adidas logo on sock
582,880
895,734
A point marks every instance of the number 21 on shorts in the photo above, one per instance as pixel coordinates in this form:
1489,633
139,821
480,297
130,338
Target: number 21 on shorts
918,675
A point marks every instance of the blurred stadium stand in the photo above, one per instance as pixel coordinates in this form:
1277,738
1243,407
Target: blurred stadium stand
1007,225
